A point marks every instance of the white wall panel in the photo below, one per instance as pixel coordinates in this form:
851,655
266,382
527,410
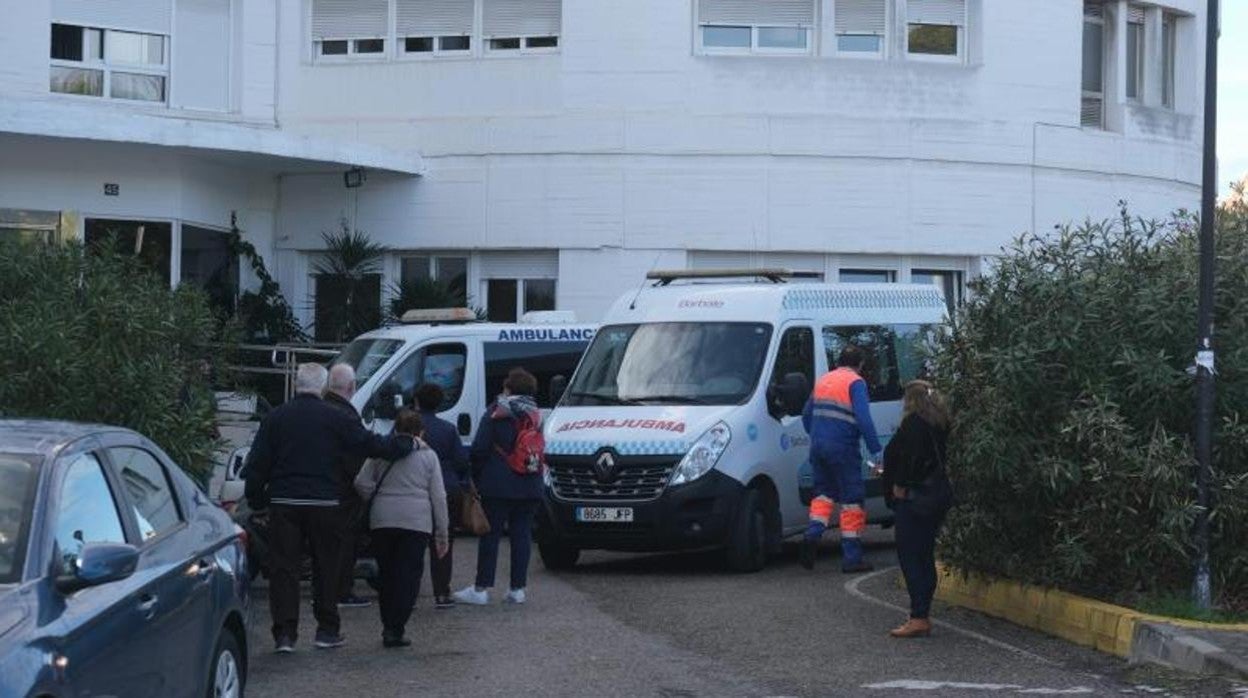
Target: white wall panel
201,55
153,16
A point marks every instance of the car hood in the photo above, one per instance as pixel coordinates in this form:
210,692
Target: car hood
635,430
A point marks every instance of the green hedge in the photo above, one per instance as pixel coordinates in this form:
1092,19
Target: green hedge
98,337
1072,448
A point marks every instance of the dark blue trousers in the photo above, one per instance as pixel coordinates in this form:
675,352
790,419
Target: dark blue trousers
517,516
916,552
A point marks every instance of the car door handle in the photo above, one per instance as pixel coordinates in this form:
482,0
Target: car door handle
203,568
147,605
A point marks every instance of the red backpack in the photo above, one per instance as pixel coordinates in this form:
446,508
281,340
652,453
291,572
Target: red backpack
528,455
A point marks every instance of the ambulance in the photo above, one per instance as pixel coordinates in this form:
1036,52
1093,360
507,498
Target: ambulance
681,428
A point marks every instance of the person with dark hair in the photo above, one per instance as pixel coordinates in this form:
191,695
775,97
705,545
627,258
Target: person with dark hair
507,455
406,504
443,438
837,415
918,490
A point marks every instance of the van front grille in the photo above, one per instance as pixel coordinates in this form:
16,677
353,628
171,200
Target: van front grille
634,479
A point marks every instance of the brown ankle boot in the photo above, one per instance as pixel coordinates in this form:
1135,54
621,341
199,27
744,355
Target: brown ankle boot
915,627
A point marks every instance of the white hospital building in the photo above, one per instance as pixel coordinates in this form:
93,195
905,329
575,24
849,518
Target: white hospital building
543,153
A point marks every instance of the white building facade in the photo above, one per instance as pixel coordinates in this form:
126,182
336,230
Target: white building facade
540,154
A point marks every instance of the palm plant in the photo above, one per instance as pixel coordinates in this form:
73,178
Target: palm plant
348,284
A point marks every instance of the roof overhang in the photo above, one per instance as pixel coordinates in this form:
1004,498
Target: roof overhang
280,150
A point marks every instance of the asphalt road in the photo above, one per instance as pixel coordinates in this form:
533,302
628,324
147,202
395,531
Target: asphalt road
676,626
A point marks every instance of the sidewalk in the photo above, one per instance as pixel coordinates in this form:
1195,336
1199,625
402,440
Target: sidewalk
1198,650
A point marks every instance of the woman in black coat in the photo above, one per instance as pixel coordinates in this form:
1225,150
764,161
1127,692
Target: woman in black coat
916,487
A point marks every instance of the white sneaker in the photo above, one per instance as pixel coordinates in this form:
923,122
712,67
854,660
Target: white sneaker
515,596
471,596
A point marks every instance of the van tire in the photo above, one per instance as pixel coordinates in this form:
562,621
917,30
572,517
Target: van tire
747,544
557,556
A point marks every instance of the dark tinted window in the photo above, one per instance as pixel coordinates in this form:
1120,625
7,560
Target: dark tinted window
147,489
87,512
418,44
796,354
66,42
545,360
894,355
17,488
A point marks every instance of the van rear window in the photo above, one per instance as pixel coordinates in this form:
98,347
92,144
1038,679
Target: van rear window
544,360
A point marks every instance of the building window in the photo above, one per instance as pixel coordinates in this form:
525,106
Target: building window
347,30
350,48
1135,52
435,27
521,26
446,276
523,44
99,62
150,241
208,264
949,283
508,299
437,45
861,27
1169,43
1092,113
936,29
867,276
756,26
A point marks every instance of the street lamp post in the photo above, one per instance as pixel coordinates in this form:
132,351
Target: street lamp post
1204,351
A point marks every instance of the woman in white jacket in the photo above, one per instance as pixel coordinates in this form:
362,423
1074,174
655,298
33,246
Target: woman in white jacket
406,505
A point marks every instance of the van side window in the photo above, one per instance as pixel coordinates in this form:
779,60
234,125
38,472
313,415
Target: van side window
442,364
894,355
544,360
796,354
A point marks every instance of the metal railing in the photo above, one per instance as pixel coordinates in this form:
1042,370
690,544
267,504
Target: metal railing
283,360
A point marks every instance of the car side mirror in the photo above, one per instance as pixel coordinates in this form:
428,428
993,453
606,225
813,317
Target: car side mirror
99,563
558,386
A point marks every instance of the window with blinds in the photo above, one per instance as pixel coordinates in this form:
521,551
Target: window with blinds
936,28
1135,51
1092,105
521,25
434,26
350,28
756,26
861,26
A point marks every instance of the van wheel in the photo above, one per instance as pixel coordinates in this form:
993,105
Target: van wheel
558,556
747,545
227,674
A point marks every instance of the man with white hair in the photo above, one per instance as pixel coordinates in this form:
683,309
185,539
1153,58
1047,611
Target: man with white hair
338,393
293,470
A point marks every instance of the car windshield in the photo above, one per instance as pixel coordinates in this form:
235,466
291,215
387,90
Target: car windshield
671,363
17,481
366,355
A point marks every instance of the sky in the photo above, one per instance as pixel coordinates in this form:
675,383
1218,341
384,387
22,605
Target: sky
1233,93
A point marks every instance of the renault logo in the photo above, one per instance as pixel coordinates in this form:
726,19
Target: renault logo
604,467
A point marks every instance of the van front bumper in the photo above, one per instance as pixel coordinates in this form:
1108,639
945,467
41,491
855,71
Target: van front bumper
699,514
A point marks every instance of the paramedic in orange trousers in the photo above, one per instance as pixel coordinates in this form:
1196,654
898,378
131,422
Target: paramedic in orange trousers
837,415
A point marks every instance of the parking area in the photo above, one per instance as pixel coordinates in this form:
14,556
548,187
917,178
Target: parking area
678,625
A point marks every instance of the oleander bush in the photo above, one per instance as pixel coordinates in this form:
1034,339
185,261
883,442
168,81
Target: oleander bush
96,336
1068,374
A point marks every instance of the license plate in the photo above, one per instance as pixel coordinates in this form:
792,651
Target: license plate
604,514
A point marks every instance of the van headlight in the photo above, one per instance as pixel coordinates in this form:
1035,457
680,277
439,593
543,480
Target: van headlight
704,454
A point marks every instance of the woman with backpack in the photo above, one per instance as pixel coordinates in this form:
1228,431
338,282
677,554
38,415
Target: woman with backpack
507,461
406,507
917,488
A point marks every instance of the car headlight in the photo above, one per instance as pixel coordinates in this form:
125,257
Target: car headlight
703,455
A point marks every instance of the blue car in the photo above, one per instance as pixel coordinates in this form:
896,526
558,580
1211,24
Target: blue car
118,577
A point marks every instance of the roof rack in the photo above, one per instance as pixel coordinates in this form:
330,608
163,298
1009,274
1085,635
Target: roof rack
438,316
774,275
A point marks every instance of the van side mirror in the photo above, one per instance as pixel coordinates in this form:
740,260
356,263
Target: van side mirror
787,398
96,564
558,386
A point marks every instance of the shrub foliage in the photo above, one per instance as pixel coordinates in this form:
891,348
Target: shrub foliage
1072,448
96,336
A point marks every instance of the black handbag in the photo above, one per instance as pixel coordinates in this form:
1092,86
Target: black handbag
935,496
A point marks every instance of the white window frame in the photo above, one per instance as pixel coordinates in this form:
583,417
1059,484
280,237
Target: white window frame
401,52
755,49
352,55
894,274
521,285
1140,64
108,67
882,54
525,49
1087,94
957,59
1169,60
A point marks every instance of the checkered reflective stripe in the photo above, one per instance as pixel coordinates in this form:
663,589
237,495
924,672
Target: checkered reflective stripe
909,298
567,447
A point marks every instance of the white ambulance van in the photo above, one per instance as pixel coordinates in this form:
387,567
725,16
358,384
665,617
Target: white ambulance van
468,359
681,428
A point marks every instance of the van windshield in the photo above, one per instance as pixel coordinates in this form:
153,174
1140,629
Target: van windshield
366,355
672,363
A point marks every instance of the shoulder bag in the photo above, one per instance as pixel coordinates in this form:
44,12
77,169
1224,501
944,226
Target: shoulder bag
472,515
935,496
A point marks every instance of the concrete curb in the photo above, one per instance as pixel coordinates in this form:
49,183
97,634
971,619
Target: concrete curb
1113,629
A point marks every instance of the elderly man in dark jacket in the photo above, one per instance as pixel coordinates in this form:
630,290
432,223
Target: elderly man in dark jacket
443,438
293,470
338,393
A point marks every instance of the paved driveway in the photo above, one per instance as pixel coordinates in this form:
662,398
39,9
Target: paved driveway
678,625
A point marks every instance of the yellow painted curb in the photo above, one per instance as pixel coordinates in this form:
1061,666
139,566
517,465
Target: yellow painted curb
1096,624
